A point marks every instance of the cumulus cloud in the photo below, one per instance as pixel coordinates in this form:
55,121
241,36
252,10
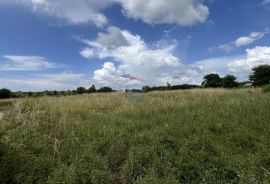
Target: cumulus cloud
157,65
241,41
25,63
112,38
240,66
254,57
73,12
133,56
180,12
59,81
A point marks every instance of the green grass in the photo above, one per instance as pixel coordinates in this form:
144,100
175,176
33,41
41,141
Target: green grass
194,136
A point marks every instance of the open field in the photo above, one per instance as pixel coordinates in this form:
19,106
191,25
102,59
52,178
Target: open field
193,136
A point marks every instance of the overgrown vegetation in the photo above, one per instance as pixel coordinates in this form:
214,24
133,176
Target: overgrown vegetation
193,136
266,88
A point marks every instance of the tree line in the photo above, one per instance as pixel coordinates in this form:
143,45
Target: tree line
6,93
259,77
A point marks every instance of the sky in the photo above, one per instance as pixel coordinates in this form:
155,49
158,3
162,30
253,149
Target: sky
63,44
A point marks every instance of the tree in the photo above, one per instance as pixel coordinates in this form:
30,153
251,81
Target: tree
146,89
169,86
5,93
212,80
105,89
229,81
92,89
81,90
261,75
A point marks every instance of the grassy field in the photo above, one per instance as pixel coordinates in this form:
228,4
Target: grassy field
194,136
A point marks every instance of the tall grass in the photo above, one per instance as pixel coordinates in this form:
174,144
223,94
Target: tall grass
193,136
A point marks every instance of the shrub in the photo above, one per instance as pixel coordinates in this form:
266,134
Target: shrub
266,89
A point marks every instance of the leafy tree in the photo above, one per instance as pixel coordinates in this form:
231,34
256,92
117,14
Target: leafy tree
212,80
229,81
81,90
5,93
92,89
169,86
261,75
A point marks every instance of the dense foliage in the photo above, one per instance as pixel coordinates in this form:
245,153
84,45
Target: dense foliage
212,80
261,75
193,136
229,81
5,93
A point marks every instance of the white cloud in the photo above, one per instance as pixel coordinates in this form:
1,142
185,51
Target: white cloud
181,12
72,11
241,41
134,56
87,53
113,38
247,40
109,75
254,57
157,65
60,81
25,63
240,66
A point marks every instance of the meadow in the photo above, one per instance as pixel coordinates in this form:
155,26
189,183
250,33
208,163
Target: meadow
190,136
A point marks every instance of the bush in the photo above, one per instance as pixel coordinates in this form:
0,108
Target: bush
266,89
5,93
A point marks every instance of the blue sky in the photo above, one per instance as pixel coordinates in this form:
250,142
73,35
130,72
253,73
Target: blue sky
62,44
